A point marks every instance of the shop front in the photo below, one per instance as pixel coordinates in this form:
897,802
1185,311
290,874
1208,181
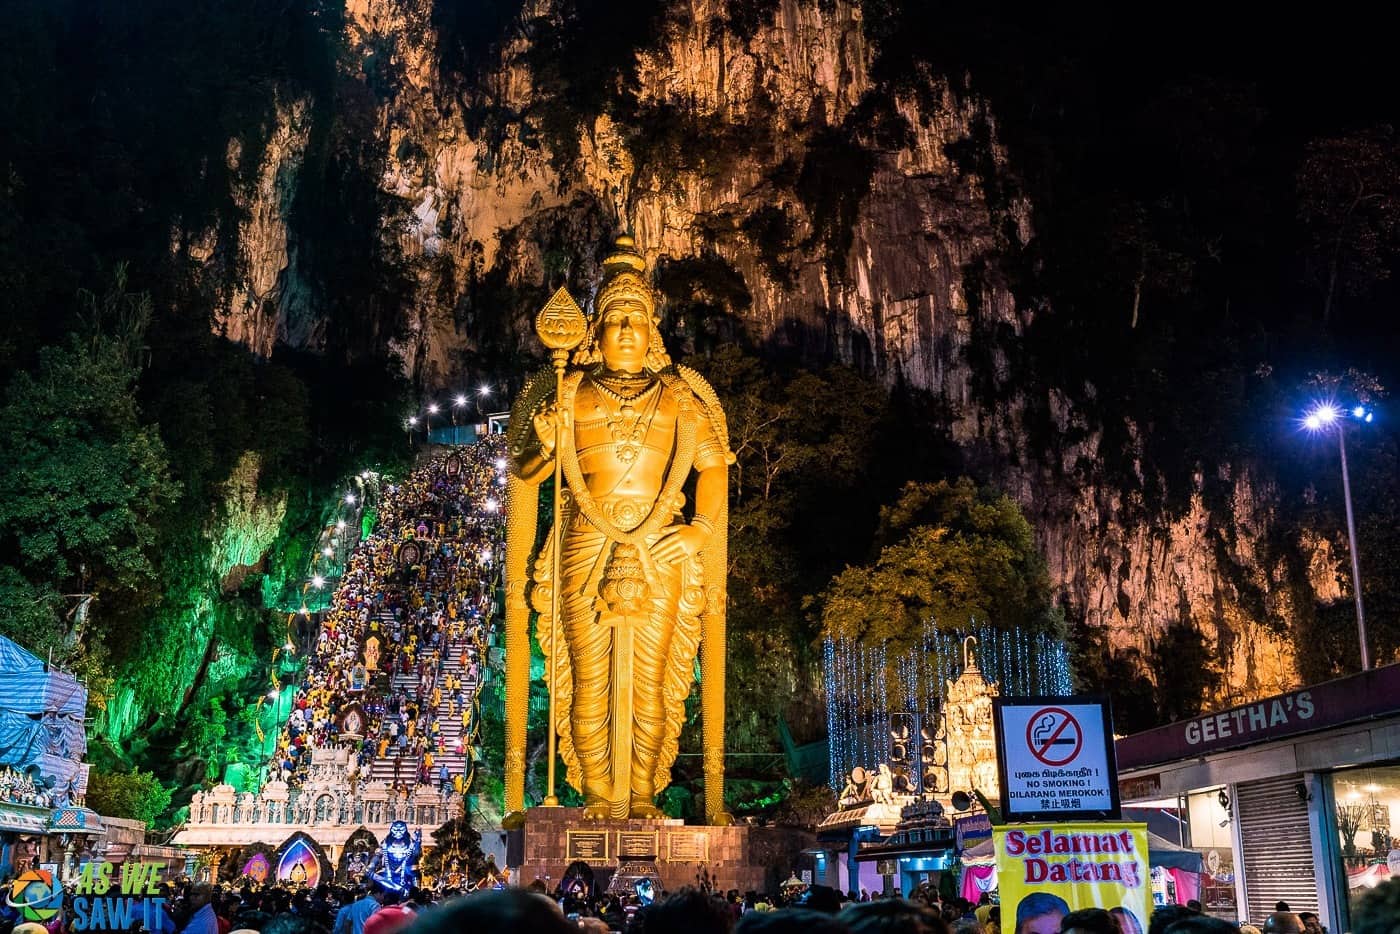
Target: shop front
1289,798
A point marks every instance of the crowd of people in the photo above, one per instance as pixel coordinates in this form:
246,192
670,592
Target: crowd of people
198,908
405,634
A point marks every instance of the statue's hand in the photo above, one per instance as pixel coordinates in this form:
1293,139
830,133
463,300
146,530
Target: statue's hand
677,542
547,423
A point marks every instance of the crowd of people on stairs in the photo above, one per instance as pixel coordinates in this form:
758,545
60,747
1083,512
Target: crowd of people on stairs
399,657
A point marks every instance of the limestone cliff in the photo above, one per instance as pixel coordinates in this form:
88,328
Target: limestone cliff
830,215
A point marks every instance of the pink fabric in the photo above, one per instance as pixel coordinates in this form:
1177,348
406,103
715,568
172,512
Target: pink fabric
1188,885
976,880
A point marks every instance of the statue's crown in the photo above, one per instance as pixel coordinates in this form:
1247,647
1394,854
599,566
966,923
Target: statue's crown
624,277
624,256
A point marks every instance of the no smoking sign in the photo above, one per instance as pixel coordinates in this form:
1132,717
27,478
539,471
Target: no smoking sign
1055,758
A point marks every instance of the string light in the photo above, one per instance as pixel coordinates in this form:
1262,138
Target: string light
860,695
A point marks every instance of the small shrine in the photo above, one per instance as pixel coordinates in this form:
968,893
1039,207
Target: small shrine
891,829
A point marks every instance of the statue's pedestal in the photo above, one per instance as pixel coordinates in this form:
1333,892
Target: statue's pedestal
736,857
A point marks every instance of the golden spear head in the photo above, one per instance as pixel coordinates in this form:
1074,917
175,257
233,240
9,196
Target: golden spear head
561,324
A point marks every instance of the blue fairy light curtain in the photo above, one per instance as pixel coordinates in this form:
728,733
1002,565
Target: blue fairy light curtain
865,684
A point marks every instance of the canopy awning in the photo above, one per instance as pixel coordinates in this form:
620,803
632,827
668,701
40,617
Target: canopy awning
19,818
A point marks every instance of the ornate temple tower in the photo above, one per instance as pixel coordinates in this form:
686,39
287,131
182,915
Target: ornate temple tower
967,734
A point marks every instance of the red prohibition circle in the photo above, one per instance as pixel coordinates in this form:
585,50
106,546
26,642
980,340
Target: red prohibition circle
1042,753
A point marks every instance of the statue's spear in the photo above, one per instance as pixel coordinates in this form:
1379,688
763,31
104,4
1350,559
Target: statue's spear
561,327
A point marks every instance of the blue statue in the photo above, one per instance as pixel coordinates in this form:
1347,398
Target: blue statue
395,863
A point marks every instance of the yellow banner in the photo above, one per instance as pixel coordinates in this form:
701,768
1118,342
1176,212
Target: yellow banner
1045,871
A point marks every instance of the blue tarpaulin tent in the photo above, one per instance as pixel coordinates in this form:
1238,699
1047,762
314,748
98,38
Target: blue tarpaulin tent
41,719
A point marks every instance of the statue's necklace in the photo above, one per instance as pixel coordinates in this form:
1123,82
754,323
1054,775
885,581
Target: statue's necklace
623,387
628,423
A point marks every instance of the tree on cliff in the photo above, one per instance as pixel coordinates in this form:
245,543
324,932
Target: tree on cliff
1349,203
83,481
131,795
948,551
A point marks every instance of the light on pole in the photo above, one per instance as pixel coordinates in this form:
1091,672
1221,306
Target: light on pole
458,401
410,423
433,409
1324,416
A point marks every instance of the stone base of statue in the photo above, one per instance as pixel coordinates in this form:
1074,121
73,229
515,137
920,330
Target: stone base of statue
740,856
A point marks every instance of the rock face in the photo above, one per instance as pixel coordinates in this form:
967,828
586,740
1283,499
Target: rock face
829,216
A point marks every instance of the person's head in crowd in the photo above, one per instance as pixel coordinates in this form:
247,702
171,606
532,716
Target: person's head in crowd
1283,922
1194,905
1281,906
1311,924
892,916
1088,921
1250,929
822,898
389,920
1128,923
199,896
1378,910
1166,916
1201,924
498,912
966,926
689,911
1040,913
789,921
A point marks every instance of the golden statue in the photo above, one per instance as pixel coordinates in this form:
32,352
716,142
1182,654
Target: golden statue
642,579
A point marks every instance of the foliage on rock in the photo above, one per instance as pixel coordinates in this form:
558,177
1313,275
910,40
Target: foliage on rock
131,795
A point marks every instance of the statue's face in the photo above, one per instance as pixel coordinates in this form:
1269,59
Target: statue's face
624,334
398,829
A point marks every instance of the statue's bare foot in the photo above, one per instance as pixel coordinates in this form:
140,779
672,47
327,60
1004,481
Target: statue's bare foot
644,809
595,808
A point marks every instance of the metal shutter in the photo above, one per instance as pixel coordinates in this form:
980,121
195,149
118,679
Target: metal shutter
1277,847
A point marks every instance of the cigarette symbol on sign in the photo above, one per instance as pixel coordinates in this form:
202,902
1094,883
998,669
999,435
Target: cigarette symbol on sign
1051,727
1045,734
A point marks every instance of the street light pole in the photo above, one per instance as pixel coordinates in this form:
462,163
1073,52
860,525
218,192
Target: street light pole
1320,417
1355,554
